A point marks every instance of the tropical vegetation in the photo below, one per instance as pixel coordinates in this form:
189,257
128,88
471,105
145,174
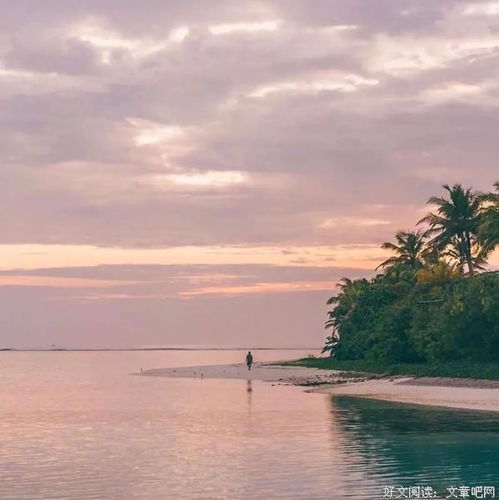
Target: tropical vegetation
433,301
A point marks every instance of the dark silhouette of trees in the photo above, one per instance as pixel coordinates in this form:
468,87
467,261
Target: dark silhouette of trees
432,302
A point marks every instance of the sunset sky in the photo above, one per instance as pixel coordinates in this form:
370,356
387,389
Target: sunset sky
203,172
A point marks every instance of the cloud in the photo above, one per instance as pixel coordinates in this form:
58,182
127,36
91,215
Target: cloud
154,133
250,27
345,83
48,256
352,221
207,179
277,134
258,288
59,282
107,42
482,9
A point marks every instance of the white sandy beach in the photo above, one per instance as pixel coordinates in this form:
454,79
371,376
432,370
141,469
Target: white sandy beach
260,371
451,393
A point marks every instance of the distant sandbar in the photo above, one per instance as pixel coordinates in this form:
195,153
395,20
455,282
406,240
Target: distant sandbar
446,392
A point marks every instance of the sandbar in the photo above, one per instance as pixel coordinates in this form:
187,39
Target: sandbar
470,394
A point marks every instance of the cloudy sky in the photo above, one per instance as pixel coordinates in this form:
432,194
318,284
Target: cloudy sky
203,172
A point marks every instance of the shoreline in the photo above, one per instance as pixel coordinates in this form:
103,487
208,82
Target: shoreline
466,394
463,394
267,372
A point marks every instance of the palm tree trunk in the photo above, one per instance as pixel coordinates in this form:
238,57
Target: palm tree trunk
469,260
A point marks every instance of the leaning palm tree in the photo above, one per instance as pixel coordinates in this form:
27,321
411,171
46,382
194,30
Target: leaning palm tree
349,292
488,232
454,227
410,252
344,303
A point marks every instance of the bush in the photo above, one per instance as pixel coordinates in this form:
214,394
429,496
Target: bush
453,320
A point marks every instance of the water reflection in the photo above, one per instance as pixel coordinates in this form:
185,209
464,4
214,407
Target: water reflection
411,444
78,423
249,390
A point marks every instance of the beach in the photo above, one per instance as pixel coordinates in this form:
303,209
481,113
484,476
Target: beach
296,375
470,394
451,393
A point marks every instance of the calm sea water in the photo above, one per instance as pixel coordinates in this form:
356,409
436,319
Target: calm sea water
78,425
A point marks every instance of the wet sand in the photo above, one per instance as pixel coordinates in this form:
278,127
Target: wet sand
450,393
259,371
447,392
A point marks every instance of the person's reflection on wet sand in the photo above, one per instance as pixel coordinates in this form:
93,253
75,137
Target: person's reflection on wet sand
249,390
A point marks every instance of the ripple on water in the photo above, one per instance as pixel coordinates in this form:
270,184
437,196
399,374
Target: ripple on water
82,428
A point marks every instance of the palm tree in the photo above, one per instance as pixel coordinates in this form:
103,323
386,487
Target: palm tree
344,304
410,252
349,292
453,229
488,232
331,342
345,301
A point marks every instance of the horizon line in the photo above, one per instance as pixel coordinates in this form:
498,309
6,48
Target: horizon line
92,349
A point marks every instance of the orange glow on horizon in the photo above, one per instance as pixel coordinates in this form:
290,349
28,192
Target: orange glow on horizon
36,256
60,282
257,288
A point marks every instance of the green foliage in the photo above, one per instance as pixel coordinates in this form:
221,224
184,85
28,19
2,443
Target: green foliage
438,272
464,324
458,369
423,308
457,319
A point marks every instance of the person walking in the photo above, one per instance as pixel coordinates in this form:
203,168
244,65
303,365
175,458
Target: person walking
249,360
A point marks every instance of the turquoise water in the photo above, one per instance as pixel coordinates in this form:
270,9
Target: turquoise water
78,425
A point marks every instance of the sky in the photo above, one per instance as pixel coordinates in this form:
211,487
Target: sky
203,173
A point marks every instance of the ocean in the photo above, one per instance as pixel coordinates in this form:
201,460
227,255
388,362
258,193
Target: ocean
81,425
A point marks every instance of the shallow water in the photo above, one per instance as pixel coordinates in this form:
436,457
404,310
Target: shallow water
78,425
